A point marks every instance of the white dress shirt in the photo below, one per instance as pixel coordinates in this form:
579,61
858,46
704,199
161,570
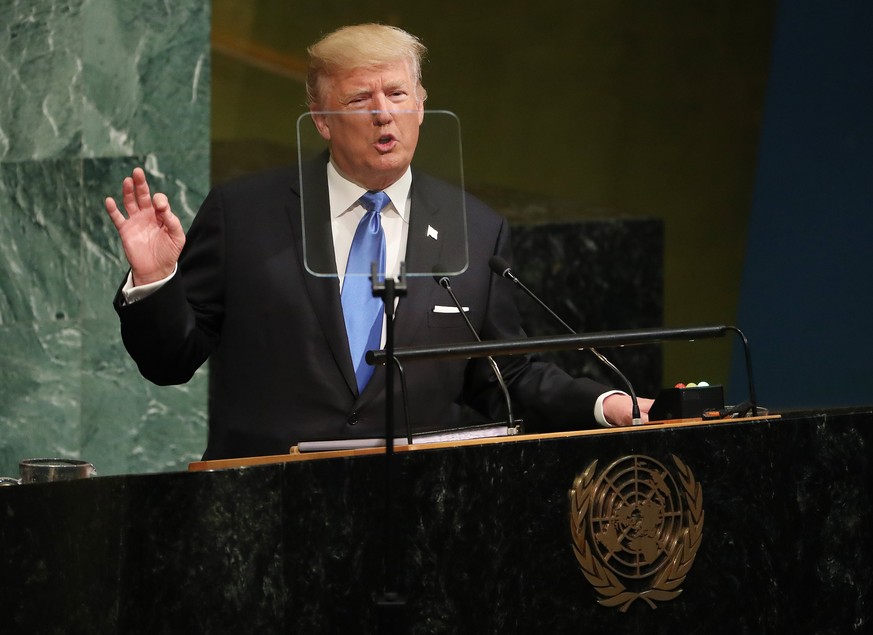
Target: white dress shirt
346,212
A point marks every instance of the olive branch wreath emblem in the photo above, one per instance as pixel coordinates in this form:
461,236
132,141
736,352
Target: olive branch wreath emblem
679,550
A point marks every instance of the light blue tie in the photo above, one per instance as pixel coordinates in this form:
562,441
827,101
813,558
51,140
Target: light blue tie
362,311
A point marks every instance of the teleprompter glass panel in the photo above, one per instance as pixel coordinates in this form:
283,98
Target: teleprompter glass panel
371,147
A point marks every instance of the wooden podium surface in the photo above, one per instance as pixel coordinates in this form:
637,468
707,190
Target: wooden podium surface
295,455
770,533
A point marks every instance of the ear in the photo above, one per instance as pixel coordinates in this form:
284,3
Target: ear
321,124
421,97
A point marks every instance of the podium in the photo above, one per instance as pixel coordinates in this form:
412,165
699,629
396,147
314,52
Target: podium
778,513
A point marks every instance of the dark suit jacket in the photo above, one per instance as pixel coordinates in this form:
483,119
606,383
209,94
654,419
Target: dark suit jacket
280,370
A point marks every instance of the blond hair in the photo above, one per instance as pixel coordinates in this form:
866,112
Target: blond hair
360,46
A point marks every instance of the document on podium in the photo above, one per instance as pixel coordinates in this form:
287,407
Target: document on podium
438,436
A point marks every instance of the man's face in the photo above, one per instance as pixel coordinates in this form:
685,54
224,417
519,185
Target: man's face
373,149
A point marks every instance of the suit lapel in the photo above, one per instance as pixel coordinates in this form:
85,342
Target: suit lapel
432,236
313,232
431,244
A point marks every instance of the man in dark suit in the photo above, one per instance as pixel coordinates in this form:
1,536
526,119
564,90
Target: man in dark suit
237,291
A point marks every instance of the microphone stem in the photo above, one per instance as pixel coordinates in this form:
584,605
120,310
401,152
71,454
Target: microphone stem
444,282
403,392
635,409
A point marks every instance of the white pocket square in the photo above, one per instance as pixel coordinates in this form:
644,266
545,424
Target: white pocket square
448,309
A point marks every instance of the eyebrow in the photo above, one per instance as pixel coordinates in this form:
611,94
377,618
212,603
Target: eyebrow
392,86
367,92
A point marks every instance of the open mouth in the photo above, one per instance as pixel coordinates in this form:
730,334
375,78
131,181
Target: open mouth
386,142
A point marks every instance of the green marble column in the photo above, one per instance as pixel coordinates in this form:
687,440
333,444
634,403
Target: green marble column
88,90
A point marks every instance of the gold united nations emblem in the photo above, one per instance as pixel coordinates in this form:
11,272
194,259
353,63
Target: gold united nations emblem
636,530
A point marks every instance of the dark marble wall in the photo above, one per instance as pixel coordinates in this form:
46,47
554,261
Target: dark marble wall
480,542
89,90
596,275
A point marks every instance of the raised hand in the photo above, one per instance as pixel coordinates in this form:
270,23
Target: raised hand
151,234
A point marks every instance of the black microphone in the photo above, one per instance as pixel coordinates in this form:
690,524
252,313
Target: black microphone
446,284
501,268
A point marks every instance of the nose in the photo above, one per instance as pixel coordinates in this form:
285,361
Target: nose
381,113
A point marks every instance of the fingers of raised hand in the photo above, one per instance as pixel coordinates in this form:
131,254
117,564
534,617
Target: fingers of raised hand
136,192
128,198
161,203
168,219
114,213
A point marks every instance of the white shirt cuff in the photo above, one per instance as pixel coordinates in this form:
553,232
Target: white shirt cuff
598,407
134,294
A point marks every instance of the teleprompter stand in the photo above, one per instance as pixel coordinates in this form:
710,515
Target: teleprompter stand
390,604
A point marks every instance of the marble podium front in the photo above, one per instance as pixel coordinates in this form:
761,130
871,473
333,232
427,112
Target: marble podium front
482,540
